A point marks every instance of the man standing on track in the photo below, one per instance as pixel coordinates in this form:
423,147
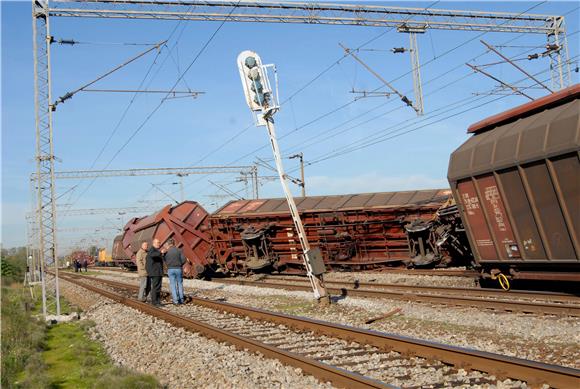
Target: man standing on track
174,260
144,282
154,264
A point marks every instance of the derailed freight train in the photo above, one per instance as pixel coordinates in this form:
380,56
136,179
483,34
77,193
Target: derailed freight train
353,232
513,208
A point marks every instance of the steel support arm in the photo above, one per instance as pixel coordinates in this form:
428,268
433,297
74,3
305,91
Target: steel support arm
308,13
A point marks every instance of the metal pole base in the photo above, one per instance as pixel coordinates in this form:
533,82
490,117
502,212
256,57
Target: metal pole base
324,301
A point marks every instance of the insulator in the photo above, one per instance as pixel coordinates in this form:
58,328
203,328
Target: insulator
533,56
398,50
552,47
67,41
405,100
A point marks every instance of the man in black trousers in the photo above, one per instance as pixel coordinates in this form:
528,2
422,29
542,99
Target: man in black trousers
154,265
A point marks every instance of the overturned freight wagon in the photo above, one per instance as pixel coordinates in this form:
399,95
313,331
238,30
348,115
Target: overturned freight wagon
517,183
353,232
120,256
185,223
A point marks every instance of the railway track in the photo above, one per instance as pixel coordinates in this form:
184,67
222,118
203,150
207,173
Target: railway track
345,356
474,292
417,272
553,304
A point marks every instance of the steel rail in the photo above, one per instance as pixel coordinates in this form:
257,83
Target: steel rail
434,273
324,372
446,299
476,292
534,373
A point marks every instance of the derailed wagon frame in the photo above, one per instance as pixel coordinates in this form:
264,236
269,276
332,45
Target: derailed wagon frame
364,231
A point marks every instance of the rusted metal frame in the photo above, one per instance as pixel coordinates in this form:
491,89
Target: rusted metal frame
535,213
183,229
486,217
196,226
183,225
526,370
565,211
324,372
449,299
189,253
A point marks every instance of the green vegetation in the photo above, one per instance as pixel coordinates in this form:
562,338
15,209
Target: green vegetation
22,334
59,356
13,265
72,360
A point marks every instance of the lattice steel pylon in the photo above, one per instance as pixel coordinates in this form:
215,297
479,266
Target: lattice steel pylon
46,206
557,42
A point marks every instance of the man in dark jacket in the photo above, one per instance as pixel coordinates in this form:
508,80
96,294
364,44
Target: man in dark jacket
154,265
174,260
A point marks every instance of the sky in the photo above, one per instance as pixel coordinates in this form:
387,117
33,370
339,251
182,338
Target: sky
350,145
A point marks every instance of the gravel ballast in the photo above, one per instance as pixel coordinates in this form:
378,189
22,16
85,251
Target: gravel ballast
548,339
179,359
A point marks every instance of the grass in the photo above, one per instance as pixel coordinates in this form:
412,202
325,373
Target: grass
22,334
72,360
35,355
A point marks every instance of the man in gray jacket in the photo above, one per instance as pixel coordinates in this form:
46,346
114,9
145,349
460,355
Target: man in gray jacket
174,259
144,282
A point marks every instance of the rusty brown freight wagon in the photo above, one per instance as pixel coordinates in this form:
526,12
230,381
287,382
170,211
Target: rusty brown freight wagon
119,255
186,223
517,183
353,232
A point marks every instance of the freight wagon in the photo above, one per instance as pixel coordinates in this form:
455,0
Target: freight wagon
186,223
517,184
353,232
514,212
119,255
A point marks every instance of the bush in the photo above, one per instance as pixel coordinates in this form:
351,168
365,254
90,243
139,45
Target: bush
13,265
22,334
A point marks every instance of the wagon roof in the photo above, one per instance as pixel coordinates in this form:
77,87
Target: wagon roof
417,198
528,109
547,133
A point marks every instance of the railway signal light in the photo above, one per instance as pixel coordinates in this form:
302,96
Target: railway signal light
256,84
264,104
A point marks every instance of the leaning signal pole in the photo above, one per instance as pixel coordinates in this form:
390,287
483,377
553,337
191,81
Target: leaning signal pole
46,207
264,103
